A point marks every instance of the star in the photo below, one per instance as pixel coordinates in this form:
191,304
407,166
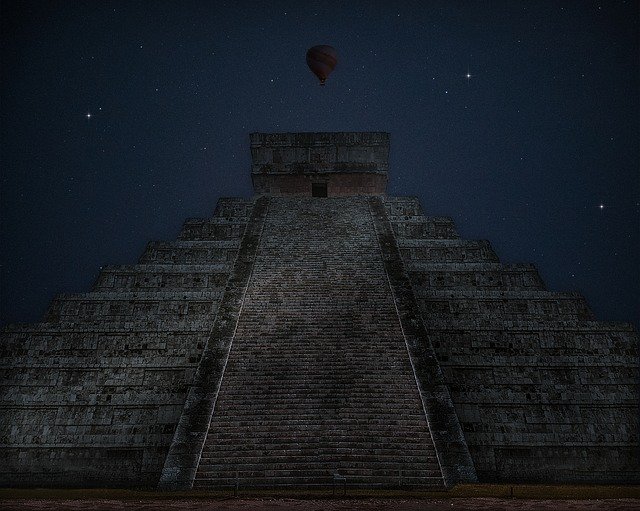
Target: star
88,115
601,206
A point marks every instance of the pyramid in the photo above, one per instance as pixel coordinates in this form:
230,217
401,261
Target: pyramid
321,331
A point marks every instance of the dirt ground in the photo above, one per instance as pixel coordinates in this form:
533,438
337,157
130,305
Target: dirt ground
280,504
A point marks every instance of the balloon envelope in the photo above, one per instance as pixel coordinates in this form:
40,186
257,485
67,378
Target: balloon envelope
322,60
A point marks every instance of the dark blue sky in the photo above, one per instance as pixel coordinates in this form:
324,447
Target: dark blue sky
523,153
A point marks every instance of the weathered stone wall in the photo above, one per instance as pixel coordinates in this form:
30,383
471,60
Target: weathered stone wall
91,396
350,163
543,392
338,185
292,153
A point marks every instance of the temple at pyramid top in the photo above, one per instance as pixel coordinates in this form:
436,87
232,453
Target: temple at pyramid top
320,164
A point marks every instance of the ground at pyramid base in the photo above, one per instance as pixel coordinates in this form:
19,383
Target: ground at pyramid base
469,497
320,333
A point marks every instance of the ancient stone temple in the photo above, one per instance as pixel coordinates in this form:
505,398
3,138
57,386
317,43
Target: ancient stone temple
320,328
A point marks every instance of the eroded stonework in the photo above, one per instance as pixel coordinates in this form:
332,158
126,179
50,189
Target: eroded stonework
289,338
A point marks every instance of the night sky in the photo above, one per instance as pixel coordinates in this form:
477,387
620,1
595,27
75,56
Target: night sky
121,119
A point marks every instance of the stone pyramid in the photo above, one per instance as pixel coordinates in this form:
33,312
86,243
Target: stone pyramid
319,331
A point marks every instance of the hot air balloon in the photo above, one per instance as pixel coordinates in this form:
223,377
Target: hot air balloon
322,60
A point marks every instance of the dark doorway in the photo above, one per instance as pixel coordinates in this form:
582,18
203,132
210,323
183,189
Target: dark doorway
318,189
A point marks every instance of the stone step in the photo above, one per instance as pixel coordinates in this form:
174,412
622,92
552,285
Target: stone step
190,252
346,373
233,207
454,251
312,364
307,405
226,448
163,277
495,294
105,306
336,434
347,386
420,227
323,482
293,413
403,207
311,440
130,296
113,325
438,313
319,469
355,458
346,370
492,302
337,349
216,228
296,449
336,426
519,325
301,402
474,276
326,395
360,396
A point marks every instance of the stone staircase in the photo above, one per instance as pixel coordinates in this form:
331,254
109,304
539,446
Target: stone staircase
318,380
